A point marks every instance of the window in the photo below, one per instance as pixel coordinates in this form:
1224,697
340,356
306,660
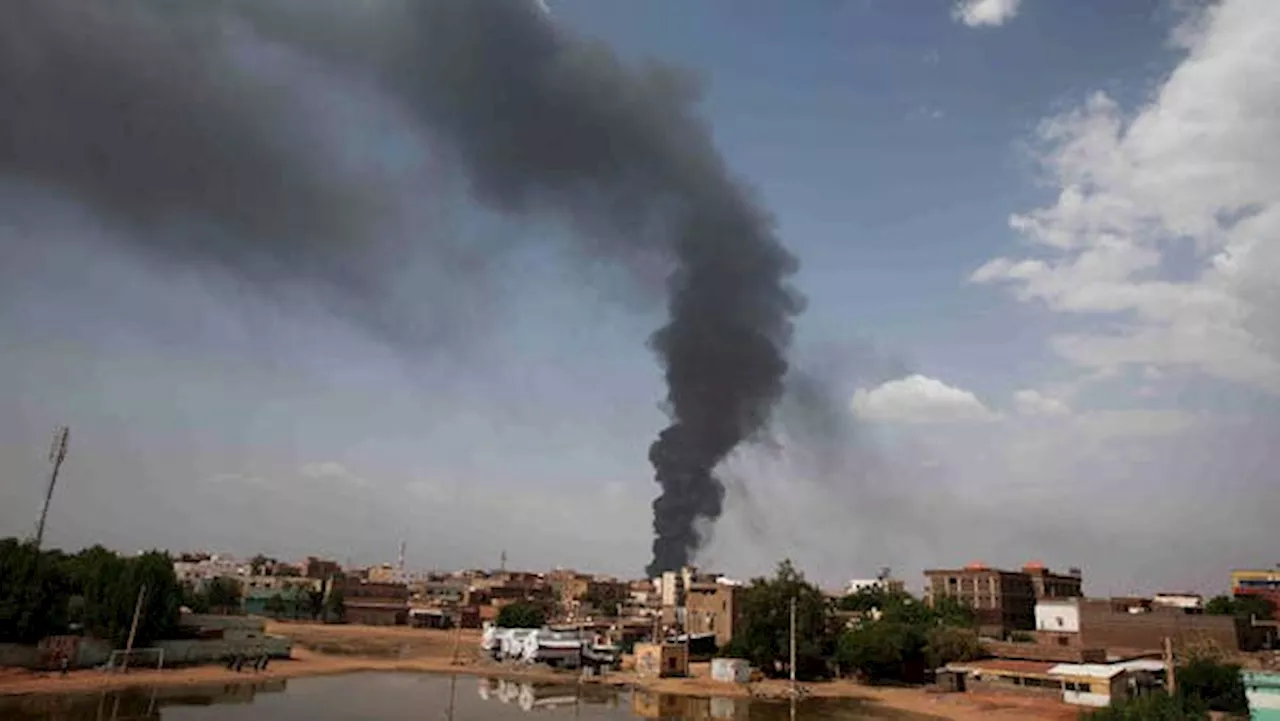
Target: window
1062,641
1079,687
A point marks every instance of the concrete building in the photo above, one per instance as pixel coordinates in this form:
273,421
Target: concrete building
1257,582
1004,601
1124,628
714,608
375,604
320,568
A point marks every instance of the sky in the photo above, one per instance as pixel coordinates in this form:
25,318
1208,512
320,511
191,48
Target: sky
1038,243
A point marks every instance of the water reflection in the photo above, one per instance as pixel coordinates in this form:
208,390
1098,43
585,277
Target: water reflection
130,704
413,697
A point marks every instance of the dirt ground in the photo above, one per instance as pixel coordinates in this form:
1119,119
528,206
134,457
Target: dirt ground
324,649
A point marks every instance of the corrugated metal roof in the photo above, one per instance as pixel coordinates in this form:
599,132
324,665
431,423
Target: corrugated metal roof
1105,670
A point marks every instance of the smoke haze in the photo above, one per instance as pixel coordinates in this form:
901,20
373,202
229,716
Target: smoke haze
148,113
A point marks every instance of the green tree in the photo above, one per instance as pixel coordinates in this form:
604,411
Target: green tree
764,634
1158,706
1217,685
522,615
315,602
604,597
224,595
258,564
194,599
110,586
883,650
34,592
1243,606
276,605
948,644
335,605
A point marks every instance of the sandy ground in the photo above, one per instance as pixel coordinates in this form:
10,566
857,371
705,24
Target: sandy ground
321,650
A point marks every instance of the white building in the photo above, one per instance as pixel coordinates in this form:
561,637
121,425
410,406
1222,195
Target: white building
1185,601
859,585
1061,615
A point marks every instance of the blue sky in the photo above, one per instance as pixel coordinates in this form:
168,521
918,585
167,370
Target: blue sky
1101,373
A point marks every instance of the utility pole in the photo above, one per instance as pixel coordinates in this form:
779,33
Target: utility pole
793,647
57,454
502,563
133,628
1170,668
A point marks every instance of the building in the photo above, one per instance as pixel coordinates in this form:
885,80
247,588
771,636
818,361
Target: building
320,568
1003,601
886,585
1261,582
375,604
1081,684
1262,689
257,594
1128,627
1190,602
714,607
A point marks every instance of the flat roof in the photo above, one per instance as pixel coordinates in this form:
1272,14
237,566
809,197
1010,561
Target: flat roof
1004,665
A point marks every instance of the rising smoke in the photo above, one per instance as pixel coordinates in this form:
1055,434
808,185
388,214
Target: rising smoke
145,111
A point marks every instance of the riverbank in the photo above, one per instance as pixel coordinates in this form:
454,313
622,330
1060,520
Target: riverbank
325,650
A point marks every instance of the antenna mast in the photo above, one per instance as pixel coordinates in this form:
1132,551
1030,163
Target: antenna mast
57,454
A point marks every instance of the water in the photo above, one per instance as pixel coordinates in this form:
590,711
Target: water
420,697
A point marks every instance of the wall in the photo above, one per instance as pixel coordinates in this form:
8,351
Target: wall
1058,616
182,651
1102,627
1045,652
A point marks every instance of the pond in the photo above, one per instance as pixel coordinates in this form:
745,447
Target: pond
405,696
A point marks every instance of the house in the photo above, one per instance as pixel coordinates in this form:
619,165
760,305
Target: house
1081,684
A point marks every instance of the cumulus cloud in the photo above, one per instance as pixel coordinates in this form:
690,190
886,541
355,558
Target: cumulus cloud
1193,172
984,13
1030,402
919,399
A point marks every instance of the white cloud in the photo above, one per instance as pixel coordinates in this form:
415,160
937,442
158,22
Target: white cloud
919,399
1197,169
979,13
1029,402
332,470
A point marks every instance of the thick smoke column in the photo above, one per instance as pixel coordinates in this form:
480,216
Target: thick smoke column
135,108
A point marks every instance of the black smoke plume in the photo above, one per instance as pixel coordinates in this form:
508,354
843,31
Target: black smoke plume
138,108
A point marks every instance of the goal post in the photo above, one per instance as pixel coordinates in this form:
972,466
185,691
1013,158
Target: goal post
120,660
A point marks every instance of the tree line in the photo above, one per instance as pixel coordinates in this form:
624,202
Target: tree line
878,634
94,591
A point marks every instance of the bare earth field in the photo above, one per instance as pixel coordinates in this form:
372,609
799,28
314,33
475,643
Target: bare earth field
323,649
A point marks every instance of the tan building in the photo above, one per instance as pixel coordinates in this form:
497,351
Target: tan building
1003,601
375,604
714,608
1130,627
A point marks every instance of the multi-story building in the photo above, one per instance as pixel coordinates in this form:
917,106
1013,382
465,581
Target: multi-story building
1003,601
714,607
1257,582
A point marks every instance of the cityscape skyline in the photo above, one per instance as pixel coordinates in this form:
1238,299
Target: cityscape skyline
1041,311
